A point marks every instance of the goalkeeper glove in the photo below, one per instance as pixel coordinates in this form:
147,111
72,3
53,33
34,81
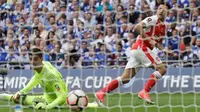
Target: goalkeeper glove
39,103
40,106
18,97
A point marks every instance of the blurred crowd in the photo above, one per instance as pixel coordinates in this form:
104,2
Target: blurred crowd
93,33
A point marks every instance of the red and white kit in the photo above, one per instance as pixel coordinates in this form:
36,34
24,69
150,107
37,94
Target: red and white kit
142,53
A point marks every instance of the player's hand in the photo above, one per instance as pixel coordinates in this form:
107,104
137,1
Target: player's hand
40,106
48,107
168,52
152,42
16,97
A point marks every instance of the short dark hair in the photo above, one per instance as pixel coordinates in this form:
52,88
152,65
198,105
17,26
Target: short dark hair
74,55
124,17
11,47
166,4
52,16
36,51
84,42
120,44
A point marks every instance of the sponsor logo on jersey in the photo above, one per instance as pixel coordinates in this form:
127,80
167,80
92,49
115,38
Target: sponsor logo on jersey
57,87
149,19
157,59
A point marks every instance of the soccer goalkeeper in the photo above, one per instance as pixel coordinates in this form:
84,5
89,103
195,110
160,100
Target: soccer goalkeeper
51,81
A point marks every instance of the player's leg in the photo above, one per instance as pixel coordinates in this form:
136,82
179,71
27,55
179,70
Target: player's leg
23,99
6,96
129,72
154,77
123,79
9,97
35,98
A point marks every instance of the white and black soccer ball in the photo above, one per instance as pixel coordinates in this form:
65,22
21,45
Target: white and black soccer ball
77,100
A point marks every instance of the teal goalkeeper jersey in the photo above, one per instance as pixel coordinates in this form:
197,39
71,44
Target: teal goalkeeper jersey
52,83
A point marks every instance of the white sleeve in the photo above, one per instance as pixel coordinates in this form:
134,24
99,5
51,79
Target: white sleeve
150,21
50,6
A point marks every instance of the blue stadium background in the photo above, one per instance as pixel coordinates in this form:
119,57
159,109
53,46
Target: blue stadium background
93,33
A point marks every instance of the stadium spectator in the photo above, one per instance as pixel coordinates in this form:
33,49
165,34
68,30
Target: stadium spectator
196,48
103,5
88,60
133,14
123,31
27,44
173,3
3,53
120,12
196,29
120,56
11,57
47,23
173,42
84,50
189,57
85,6
46,3
99,38
37,41
25,36
36,21
49,40
110,38
171,17
24,57
56,55
102,58
43,32
90,20
72,60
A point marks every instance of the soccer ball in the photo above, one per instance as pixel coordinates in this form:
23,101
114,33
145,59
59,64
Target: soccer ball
77,100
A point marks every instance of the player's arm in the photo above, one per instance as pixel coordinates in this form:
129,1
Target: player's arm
32,83
61,92
145,24
139,29
161,47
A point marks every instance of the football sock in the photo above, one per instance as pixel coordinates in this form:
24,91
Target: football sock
5,96
152,81
112,85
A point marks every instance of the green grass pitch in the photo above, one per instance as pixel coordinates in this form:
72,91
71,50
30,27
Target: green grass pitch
126,102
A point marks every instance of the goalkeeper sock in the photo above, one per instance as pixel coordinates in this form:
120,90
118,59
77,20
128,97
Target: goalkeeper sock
29,99
152,81
8,97
112,85
5,96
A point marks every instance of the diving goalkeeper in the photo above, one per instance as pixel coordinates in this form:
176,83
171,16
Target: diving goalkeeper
51,81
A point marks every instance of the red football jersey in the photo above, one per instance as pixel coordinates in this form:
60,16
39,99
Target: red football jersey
155,28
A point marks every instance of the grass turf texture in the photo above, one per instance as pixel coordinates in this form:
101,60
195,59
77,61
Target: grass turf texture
187,102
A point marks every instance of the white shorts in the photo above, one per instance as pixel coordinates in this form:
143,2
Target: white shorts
141,58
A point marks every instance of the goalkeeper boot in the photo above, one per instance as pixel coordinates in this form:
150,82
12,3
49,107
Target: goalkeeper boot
6,97
93,105
100,98
145,96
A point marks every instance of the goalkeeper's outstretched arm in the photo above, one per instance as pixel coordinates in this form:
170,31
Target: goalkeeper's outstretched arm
32,83
22,93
